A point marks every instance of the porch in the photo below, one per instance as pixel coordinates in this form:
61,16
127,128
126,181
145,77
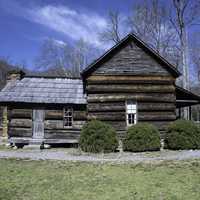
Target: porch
184,102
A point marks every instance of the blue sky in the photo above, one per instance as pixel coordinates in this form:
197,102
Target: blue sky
25,24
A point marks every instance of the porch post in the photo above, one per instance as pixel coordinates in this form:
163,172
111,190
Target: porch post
5,124
179,113
190,113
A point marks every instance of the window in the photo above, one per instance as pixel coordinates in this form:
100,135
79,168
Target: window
131,113
68,117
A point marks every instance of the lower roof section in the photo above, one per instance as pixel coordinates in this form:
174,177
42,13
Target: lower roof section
40,90
185,98
44,90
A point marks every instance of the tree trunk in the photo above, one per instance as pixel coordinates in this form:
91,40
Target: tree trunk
185,65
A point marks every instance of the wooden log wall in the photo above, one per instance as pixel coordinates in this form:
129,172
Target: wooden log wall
131,73
155,97
54,126
20,122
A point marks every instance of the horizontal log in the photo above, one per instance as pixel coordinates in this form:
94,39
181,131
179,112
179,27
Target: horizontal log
53,124
152,82
154,97
23,123
59,124
113,106
100,79
62,131
120,106
58,115
148,88
57,134
20,113
19,132
107,116
150,106
54,114
129,78
156,116
78,124
79,115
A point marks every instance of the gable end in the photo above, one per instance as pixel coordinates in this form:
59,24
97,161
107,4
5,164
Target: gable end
131,56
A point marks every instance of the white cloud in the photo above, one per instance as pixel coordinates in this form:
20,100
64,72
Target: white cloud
59,43
72,23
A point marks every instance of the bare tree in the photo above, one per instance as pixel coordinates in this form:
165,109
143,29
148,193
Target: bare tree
186,14
79,57
112,33
149,20
56,57
195,53
53,55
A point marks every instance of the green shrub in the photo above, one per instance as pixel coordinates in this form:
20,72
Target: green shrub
97,136
182,134
142,137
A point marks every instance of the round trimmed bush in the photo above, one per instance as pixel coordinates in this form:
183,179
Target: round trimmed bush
97,136
142,137
182,134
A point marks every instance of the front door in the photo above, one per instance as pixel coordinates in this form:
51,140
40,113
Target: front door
38,124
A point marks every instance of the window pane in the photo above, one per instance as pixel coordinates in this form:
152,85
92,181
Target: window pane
68,117
133,119
134,107
131,111
129,119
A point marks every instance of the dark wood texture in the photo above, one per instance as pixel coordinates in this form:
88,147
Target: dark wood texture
140,97
132,60
124,79
54,127
62,134
19,132
20,113
131,74
21,123
147,88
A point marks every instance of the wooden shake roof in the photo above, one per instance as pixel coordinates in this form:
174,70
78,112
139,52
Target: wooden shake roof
44,90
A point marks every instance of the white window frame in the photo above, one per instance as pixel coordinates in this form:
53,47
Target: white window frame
67,117
131,110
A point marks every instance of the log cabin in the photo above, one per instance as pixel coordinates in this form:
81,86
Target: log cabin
130,83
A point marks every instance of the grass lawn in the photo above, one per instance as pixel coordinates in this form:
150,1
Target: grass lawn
52,180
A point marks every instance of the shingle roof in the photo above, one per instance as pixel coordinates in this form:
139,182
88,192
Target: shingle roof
44,90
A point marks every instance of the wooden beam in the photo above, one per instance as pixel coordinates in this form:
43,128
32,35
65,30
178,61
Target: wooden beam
123,78
143,97
130,88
